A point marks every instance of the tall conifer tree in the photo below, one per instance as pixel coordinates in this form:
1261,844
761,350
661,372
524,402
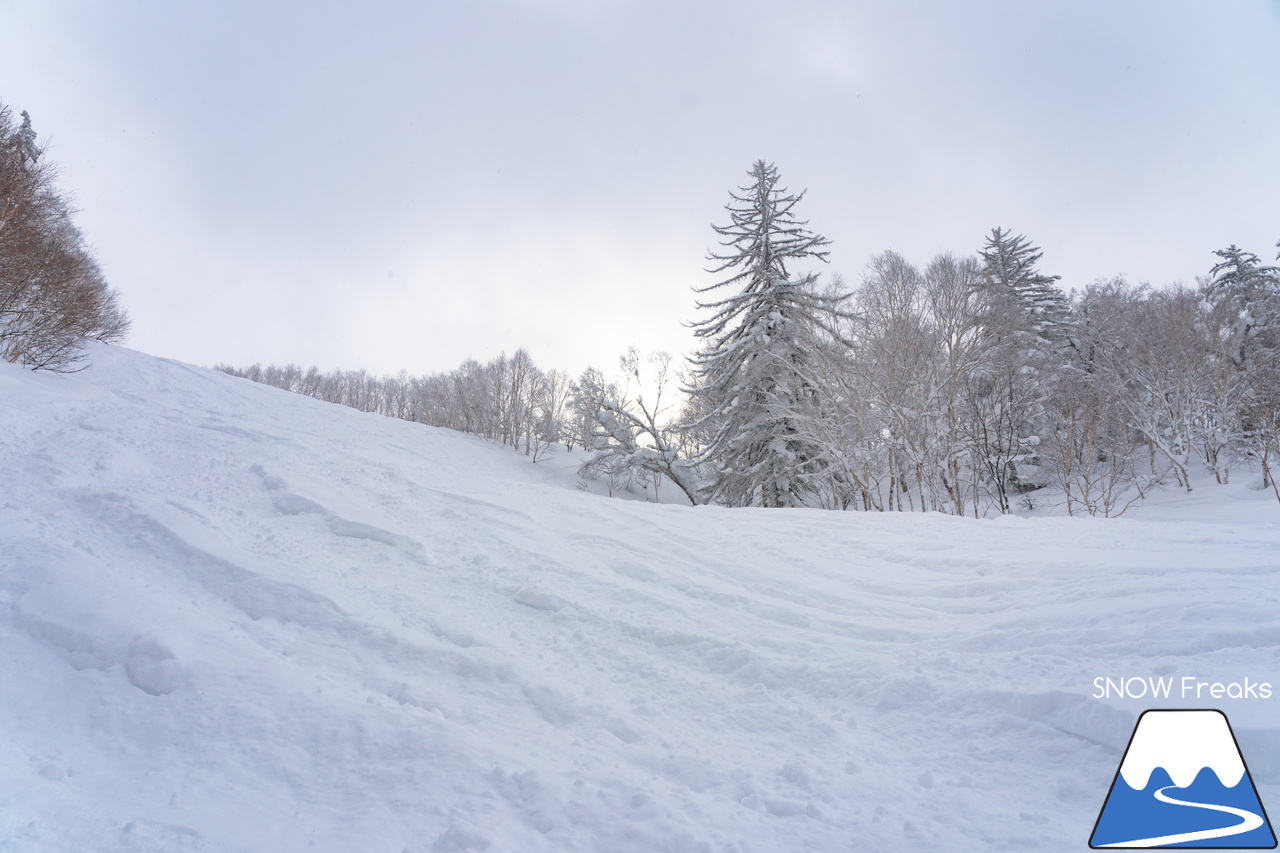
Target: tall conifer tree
751,375
1010,266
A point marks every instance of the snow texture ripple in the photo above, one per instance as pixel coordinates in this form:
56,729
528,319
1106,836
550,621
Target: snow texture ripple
234,619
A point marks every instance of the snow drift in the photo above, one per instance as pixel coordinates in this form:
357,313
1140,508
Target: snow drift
236,619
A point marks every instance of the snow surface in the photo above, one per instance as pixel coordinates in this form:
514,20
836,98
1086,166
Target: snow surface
236,619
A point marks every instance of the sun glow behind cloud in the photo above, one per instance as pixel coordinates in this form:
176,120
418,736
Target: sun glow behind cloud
571,291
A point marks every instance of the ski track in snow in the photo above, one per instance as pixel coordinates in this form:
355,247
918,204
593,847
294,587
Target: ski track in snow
237,619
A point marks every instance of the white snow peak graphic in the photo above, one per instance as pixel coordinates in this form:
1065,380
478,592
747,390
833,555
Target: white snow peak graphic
1183,783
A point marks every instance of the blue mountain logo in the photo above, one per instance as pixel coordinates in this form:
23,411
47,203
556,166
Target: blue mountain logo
1183,783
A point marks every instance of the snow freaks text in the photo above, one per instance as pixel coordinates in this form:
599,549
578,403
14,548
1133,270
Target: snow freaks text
1173,687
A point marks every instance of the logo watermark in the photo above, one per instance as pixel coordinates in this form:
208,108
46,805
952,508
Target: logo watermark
1183,783
1182,688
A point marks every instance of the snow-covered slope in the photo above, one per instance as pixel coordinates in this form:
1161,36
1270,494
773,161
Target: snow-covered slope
232,618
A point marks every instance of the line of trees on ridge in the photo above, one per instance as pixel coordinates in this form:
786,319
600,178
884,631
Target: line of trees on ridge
965,386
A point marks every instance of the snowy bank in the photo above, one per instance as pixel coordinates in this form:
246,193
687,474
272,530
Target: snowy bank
236,619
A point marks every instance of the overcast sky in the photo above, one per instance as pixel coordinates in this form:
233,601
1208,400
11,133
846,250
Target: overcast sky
405,185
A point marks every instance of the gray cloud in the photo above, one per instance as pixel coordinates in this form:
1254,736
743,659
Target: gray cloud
406,184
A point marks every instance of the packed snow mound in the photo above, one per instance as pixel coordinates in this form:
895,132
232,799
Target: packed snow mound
236,619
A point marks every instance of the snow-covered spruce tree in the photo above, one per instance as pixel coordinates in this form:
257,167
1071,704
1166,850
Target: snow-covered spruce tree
1027,329
1009,264
1243,296
750,376
1244,287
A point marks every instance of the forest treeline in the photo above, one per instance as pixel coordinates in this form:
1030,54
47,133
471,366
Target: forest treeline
53,295
967,385
964,386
